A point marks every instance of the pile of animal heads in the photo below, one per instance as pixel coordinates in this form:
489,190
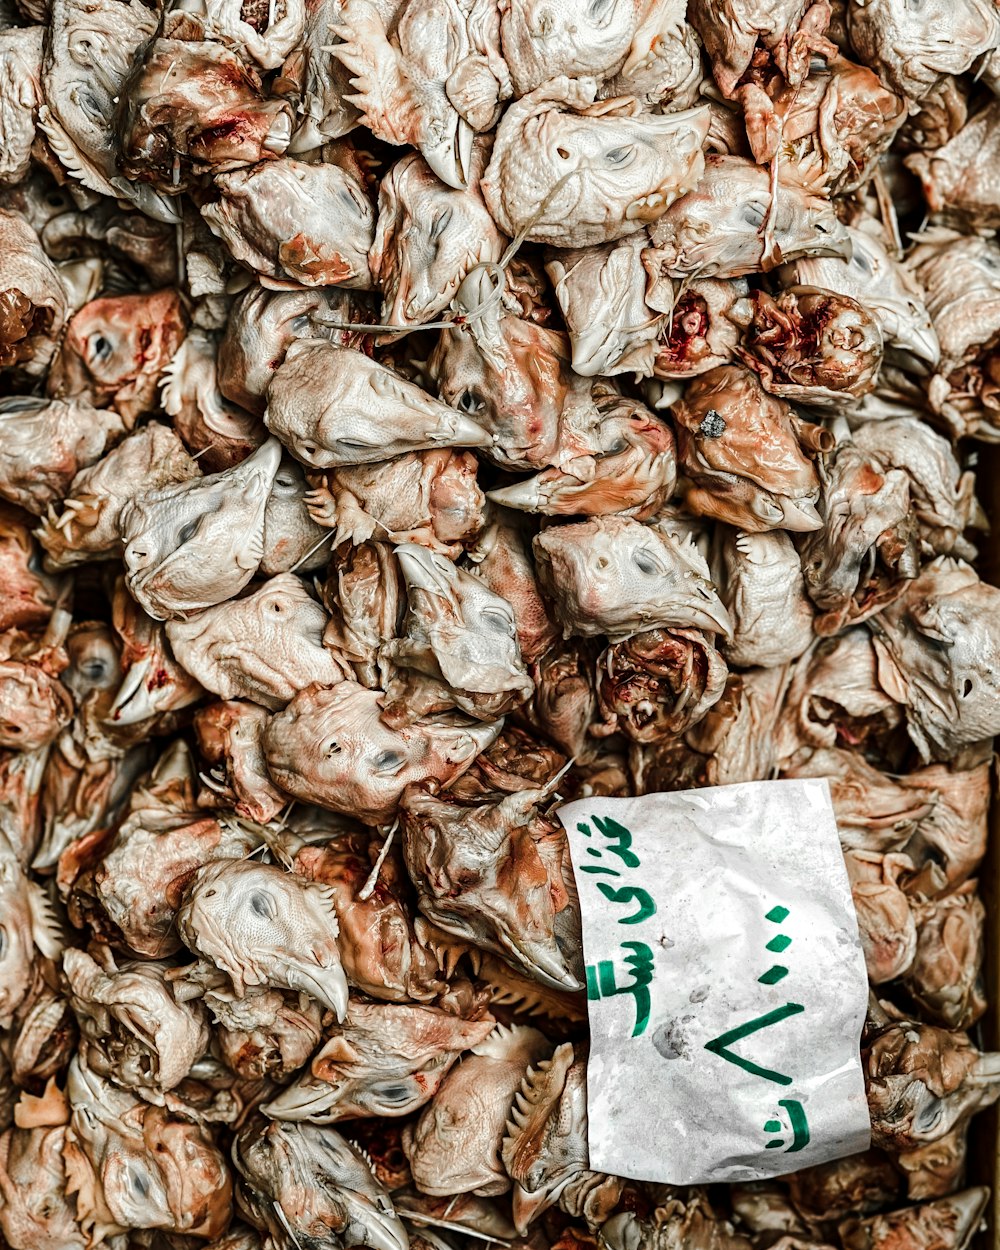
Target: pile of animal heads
416,414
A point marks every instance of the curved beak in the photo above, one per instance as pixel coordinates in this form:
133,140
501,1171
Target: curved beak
527,1207
799,516
450,156
307,1099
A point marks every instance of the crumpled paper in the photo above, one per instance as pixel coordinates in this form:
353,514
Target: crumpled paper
726,982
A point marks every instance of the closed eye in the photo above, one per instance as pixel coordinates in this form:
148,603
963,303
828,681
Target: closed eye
754,213
441,223
646,562
388,763
620,158
262,904
187,532
498,620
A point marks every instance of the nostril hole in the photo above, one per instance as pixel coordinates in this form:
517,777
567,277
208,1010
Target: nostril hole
562,154
602,562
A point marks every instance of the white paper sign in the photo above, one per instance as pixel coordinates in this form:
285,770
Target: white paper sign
726,983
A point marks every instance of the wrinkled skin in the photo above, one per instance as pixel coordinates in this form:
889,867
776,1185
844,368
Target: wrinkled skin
912,49
230,737
197,543
516,761
193,103
834,699
44,444
948,1223
268,1034
545,1150
262,325
959,179
601,293
265,647
293,542
945,978
886,924
761,585
426,497
540,42
115,351
875,812
366,599
507,374
459,634
332,406
20,96
31,594
330,747
860,1182
427,239
135,1166
728,226
885,288
624,168
869,545
744,452
616,577
33,300
657,684
922,1081
34,704
841,117
564,703
87,58
154,686
942,496
262,926
734,741
960,275
136,1034
813,346
87,526
219,433
305,1182
163,839
497,875
632,472
730,30
691,1224
502,557
381,1061
454,1148
307,224
433,82
26,922
35,1211
936,647
952,837
382,953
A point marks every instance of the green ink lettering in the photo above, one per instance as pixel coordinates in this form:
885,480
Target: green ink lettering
602,983
720,1045
627,894
620,837
800,1125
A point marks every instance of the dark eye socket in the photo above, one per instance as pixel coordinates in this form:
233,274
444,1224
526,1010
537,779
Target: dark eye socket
94,669
187,532
388,761
441,224
597,9
137,1183
3,941
469,401
100,347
